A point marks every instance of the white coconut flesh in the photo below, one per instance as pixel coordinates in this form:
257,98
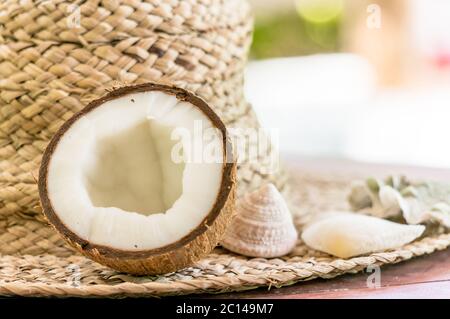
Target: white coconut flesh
113,179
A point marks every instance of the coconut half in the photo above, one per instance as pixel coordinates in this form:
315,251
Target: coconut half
141,180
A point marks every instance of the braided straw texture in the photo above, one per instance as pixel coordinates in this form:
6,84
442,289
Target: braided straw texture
56,56
221,271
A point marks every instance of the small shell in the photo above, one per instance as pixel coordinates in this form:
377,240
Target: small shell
263,225
346,235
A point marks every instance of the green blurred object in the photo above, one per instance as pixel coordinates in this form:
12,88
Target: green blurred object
319,11
290,34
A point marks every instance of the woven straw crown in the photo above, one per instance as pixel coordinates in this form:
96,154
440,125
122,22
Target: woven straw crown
56,56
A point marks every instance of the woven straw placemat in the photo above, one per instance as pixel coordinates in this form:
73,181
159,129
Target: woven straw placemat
221,271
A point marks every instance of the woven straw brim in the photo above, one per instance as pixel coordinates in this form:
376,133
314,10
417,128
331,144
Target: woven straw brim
221,271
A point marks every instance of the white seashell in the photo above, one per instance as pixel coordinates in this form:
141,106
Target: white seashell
346,235
263,225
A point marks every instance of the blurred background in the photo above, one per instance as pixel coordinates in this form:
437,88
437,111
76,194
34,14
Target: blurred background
354,79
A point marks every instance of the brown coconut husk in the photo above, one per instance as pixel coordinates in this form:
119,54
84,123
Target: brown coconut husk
198,243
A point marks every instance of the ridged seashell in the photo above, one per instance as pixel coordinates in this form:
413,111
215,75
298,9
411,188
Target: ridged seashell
263,226
345,234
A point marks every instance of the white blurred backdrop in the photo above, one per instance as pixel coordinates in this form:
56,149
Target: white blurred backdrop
331,106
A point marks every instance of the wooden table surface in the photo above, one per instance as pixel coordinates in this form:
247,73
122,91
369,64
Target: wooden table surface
423,277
